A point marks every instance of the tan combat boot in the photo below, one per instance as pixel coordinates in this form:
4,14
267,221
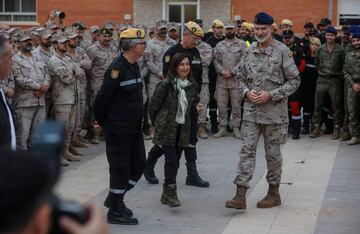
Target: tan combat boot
78,143
239,201
73,150
70,157
336,133
203,132
354,141
220,133
316,131
64,162
272,198
345,136
96,135
236,132
169,195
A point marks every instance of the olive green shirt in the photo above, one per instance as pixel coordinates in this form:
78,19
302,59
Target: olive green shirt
330,64
352,68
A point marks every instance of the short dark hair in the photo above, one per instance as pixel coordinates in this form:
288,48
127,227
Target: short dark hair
175,62
24,186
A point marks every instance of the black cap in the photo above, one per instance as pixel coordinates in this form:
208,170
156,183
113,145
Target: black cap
199,22
78,26
263,18
288,33
313,31
104,30
325,22
309,25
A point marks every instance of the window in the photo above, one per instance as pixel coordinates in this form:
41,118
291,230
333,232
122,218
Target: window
181,11
18,10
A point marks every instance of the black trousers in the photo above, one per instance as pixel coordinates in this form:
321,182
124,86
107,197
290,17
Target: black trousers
172,158
126,156
212,101
308,89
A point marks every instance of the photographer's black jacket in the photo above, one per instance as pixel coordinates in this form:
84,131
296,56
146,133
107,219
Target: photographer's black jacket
193,53
118,106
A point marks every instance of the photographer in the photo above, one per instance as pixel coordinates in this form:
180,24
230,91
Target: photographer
25,202
57,17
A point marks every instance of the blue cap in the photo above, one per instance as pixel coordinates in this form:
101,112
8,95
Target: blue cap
263,18
331,29
354,28
356,35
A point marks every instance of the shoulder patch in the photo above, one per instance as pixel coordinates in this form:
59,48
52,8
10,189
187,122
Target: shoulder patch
115,73
167,58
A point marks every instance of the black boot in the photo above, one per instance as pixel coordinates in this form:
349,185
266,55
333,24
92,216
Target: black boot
117,213
306,125
110,197
296,128
153,156
193,177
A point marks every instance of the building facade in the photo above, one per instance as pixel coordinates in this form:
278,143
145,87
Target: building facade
95,12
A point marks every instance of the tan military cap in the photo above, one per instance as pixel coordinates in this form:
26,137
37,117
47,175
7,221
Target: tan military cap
194,28
217,23
132,33
60,38
287,22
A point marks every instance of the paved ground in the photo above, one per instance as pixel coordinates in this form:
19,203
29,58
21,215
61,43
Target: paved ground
320,191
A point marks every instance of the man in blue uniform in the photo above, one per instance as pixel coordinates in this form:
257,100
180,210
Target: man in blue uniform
118,109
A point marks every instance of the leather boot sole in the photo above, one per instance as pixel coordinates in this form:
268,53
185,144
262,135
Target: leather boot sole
264,206
228,204
122,221
107,205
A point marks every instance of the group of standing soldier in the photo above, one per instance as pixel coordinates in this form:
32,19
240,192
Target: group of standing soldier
56,75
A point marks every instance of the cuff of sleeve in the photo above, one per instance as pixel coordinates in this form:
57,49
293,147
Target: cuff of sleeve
273,95
245,90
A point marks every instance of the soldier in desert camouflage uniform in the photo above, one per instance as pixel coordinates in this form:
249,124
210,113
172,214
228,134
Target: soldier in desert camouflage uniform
227,56
206,58
82,64
267,75
154,54
63,91
101,54
43,53
31,83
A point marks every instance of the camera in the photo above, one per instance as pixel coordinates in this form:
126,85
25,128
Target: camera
60,14
48,142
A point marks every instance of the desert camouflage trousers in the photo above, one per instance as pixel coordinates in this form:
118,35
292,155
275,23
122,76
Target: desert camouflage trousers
274,135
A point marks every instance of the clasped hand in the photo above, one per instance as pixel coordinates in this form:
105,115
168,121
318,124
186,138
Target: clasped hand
258,97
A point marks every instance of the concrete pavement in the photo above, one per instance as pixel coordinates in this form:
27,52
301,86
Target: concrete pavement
320,191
